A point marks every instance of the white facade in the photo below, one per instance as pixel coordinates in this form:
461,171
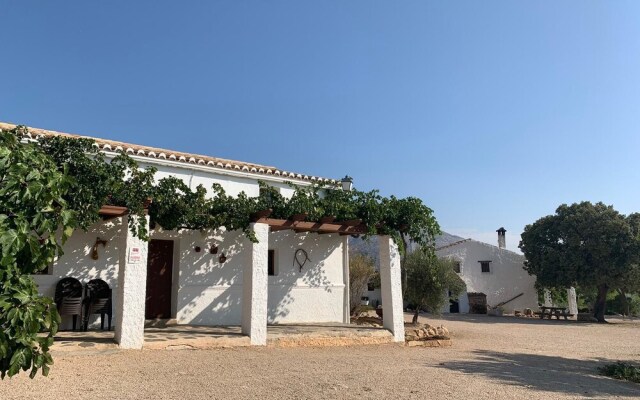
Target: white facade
506,277
206,292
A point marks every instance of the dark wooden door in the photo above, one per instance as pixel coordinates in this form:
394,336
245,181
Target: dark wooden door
159,274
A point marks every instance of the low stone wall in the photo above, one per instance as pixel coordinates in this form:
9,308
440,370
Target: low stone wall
426,336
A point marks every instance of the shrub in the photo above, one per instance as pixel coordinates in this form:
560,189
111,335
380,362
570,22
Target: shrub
622,370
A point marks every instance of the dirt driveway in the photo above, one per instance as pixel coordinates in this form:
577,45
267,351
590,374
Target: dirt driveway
492,358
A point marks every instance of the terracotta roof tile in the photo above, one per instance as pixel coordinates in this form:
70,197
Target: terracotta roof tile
187,158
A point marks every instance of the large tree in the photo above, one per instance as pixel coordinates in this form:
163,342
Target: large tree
34,220
429,278
588,245
361,271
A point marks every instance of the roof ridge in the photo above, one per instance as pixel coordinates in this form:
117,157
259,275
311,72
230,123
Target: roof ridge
453,244
108,145
480,242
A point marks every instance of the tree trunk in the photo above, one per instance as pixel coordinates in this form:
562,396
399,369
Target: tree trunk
403,271
601,303
415,316
626,302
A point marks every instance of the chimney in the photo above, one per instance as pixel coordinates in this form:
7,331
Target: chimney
502,240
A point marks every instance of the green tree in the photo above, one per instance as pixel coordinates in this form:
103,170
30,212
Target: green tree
428,280
34,221
587,245
361,270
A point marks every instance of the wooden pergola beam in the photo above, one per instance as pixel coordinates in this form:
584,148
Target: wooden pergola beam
316,227
112,211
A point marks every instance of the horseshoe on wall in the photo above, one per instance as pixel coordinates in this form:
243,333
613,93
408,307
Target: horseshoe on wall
300,257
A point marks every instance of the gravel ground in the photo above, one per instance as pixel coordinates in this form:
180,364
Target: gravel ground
491,358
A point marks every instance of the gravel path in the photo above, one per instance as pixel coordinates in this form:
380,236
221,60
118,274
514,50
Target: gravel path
492,358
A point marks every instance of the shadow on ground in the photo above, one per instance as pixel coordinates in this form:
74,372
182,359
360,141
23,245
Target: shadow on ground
546,373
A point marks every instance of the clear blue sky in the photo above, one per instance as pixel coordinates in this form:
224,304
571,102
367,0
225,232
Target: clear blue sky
493,113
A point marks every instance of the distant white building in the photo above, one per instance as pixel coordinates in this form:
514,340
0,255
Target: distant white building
493,270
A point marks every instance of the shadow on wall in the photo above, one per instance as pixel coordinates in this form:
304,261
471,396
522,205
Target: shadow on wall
290,275
77,262
546,373
210,293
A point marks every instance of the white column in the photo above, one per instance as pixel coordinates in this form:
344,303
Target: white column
255,288
132,285
391,282
572,301
346,318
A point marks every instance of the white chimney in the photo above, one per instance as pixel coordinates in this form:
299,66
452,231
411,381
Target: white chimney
502,240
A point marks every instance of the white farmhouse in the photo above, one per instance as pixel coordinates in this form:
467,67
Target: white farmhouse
493,271
217,277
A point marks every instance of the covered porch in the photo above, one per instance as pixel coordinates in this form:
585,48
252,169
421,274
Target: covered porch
131,332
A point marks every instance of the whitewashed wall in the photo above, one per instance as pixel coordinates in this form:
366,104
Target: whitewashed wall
506,279
205,292
315,294
77,262
210,293
375,296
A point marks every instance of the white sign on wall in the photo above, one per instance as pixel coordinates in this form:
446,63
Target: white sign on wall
135,254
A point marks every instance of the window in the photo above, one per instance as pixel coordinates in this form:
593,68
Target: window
268,192
271,263
46,271
456,267
485,266
370,286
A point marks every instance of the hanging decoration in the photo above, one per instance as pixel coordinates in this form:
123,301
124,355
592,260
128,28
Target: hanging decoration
94,249
300,257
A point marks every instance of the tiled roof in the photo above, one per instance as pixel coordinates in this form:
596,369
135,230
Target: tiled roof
187,158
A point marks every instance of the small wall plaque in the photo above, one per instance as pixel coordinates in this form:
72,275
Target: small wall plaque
135,254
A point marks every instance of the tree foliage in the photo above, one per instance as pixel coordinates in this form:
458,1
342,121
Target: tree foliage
428,280
33,209
361,271
96,181
587,245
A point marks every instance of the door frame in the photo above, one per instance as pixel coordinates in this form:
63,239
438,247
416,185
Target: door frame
172,296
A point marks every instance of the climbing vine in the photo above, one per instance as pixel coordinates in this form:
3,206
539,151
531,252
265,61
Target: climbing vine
174,205
52,186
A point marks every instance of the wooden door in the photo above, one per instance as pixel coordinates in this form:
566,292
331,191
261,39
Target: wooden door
159,282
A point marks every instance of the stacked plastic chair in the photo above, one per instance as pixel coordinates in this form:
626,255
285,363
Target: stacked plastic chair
68,298
98,299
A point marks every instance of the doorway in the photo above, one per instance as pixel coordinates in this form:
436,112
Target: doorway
159,279
454,305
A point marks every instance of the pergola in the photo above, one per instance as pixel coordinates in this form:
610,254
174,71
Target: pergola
132,275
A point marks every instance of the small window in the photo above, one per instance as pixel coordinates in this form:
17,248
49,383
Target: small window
371,287
485,266
271,263
268,192
457,267
46,271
